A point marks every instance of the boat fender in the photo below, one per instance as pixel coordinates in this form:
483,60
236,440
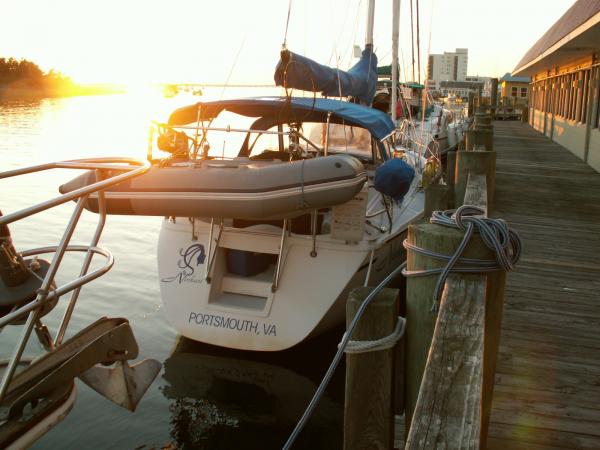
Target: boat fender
393,178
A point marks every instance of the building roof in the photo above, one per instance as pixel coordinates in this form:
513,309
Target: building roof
576,33
510,79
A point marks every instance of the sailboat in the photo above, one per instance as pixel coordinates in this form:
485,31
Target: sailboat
423,124
258,250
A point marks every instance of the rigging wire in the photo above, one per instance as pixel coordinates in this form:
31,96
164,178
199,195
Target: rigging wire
334,51
235,60
354,33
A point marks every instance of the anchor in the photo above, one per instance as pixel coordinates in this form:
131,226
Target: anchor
106,341
123,384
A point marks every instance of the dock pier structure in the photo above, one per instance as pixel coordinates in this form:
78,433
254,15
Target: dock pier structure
511,361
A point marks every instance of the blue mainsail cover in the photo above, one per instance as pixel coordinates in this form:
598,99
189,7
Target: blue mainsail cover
298,72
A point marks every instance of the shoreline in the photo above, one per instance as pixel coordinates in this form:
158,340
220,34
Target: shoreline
39,93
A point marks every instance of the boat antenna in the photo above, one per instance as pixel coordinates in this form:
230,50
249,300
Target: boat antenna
412,40
287,23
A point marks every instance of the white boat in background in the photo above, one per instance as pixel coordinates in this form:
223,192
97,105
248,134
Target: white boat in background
435,131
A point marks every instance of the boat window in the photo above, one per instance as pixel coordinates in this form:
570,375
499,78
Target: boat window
268,145
227,143
342,139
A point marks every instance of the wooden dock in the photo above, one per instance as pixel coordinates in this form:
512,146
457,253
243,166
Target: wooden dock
547,392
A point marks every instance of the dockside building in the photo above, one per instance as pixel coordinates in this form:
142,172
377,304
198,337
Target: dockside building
565,69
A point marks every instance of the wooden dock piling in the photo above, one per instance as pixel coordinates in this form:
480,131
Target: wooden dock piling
474,162
451,352
436,198
453,402
482,132
369,409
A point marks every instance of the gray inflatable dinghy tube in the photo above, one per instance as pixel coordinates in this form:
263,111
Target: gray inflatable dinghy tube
238,188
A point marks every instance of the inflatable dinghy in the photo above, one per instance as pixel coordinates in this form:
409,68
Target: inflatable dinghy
240,188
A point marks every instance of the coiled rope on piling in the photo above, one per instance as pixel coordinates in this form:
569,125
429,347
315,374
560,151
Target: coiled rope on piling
495,234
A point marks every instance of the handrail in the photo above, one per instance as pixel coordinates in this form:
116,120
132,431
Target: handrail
227,129
73,164
45,294
66,288
86,190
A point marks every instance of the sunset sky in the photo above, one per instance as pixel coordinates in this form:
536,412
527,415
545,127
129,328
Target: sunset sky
146,41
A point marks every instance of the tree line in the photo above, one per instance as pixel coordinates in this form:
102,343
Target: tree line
23,74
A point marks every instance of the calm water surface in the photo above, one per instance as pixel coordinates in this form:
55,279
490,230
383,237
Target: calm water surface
205,398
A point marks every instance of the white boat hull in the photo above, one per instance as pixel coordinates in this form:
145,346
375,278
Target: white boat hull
243,312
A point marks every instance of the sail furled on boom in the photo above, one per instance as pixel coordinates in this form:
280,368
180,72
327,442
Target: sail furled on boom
298,72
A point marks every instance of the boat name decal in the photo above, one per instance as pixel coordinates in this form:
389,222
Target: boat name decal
232,323
195,253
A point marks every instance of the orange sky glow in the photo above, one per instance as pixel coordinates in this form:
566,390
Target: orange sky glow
137,42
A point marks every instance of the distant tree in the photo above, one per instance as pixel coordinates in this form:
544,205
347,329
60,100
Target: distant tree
26,74
12,70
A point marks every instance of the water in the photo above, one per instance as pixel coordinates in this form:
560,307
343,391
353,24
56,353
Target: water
204,397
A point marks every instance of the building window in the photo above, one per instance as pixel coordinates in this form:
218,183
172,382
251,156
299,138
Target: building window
523,92
513,91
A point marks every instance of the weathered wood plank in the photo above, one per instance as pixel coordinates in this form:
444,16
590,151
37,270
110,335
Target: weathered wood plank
474,162
548,377
476,192
521,436
436,198
447,414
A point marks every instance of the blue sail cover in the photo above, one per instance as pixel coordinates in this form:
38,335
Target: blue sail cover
298,72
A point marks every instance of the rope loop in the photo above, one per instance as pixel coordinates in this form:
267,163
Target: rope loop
495,234
384,343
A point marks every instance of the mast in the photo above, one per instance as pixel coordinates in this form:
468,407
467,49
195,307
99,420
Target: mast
370,21
418,45
412,40
395,32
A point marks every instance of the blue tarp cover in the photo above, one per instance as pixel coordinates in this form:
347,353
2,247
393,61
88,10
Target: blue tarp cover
288,110
298,72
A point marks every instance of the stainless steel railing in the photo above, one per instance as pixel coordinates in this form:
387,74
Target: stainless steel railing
131,168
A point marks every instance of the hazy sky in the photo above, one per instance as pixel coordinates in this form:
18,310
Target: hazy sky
214,40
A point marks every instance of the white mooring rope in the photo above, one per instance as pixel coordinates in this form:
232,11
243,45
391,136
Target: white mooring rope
384,343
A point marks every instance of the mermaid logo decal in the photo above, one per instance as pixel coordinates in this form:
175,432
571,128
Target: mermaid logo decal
191,258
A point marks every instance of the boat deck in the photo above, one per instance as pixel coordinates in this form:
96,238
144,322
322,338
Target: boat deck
547,392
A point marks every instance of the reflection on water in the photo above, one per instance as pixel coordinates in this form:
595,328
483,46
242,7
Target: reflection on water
205,398
223,399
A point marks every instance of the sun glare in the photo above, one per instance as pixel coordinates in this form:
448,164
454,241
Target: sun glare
136,42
